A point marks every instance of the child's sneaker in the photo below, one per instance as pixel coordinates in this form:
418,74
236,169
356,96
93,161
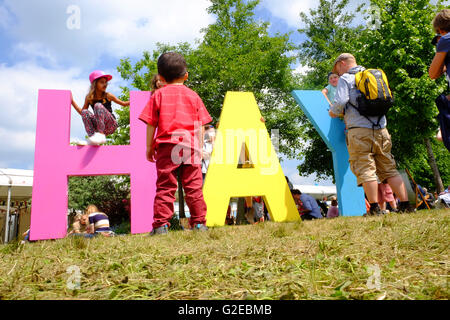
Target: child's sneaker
161,230
97,139
184,223
374,212
200,227
76,142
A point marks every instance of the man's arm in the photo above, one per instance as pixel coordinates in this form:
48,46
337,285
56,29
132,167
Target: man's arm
437,66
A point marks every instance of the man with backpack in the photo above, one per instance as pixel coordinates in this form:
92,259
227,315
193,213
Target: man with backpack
363,97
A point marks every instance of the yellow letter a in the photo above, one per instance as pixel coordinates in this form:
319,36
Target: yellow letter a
240,123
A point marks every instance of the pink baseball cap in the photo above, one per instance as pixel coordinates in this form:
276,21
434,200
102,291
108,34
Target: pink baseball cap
99,74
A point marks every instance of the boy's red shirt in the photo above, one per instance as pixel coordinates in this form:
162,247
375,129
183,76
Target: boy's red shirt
178,113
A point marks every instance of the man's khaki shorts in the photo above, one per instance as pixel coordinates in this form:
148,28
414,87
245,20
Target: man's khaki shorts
370,155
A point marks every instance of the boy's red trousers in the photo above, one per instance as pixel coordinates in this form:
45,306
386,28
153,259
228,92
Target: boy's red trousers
166,185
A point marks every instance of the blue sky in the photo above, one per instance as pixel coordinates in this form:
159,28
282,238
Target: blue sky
39,50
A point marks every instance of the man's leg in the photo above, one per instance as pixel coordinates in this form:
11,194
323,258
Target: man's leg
371,190
387,169
362,164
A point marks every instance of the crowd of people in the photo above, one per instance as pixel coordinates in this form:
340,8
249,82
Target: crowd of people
368,139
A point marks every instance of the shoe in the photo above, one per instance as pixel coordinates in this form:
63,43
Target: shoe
161,230
249,217
200,227
97,139
184,223
375,212
406,208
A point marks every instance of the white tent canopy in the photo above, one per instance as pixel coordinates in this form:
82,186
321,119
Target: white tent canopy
317,192
21,182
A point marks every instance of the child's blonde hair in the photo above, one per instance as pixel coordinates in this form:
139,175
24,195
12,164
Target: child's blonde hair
91,209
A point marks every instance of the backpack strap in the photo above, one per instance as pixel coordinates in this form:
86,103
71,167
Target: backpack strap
374,125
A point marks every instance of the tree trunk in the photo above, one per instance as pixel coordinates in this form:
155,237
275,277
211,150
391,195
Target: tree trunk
434,167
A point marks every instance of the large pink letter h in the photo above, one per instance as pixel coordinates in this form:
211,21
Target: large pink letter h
55,160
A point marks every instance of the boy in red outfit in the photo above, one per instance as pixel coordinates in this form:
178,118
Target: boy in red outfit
179,114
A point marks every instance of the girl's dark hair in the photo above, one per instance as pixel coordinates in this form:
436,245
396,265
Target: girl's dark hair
334,203
172,66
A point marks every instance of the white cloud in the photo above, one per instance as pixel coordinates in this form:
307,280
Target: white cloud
18,114
113,28
289,10
301,70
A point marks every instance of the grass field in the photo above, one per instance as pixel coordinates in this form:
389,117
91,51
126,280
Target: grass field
389,257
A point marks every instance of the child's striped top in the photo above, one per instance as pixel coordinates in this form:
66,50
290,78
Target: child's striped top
100,222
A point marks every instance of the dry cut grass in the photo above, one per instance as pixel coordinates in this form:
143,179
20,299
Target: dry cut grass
389,257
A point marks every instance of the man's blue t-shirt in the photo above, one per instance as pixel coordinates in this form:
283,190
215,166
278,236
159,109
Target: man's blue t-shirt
309,203
444,46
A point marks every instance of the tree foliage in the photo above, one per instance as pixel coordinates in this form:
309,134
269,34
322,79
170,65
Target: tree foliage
400,44
236,54
329,33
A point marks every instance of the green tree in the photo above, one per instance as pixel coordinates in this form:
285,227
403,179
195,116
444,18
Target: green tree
398,40
235,54
329,33
401,46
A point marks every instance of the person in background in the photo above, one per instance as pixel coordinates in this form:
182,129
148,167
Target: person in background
296,195
444,197
291,186
323,206
386,195
156,83
258,209
208,146
311,210
98,222
440,66
330,90
80,224
333,212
